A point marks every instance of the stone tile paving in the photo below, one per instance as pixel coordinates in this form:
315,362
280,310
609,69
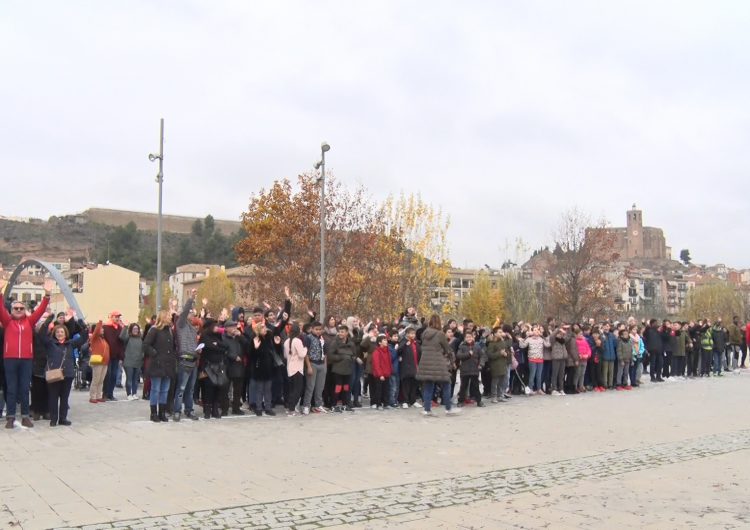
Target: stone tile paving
373,504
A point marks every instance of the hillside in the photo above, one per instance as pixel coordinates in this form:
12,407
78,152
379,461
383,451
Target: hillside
63,238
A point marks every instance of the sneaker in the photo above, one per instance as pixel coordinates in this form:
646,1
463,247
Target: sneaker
373,407
628,387
417,405
270,412
618,388
452,412
93,401
427,413
555,393
338,409
508,396
562,393
379,408
176,416
493,400
481,404
404,405
191,416
348,408
305,411
101,400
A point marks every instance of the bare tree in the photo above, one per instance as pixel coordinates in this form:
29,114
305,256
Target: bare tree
584,252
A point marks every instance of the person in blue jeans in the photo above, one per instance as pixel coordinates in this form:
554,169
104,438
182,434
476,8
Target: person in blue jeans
159,346
186,377
435,366
393,346
131,338
18,352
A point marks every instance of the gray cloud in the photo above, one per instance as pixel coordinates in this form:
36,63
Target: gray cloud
504,114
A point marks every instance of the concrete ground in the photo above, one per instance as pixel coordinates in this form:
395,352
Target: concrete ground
671,455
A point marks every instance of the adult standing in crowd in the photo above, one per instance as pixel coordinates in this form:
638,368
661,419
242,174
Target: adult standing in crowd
435,366
18,354
60,356
159,346
112,330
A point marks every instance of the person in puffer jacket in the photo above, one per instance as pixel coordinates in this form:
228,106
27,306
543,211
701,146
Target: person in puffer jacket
472,357
536,344
18,355
624,360
559,360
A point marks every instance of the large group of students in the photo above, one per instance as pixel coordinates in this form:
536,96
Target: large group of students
188,364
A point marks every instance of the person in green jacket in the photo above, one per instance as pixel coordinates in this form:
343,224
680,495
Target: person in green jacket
498,346
680,347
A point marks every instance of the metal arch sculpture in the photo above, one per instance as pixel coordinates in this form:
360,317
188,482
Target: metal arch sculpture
54,273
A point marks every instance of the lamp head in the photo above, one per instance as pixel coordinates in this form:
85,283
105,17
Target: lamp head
318,164
153,157
325,147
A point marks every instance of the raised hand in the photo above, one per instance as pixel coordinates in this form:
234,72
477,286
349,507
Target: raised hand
49,284
287,292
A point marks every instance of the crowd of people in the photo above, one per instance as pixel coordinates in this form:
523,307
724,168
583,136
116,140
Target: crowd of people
237,363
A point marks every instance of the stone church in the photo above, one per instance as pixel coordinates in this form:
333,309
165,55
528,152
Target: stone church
635,241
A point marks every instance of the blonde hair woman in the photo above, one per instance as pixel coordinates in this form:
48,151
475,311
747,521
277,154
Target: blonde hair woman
159,346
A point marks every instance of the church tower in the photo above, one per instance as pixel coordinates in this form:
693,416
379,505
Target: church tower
634,233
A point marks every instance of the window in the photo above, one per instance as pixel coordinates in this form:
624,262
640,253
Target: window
25,297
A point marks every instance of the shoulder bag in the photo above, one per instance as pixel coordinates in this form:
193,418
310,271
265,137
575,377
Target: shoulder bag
55,374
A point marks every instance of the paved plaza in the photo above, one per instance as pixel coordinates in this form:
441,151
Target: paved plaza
671,455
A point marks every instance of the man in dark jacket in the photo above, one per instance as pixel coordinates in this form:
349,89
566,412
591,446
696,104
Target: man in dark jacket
112,331
652,340
237,347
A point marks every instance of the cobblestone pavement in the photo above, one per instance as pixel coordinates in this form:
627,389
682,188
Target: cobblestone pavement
661,451
380,503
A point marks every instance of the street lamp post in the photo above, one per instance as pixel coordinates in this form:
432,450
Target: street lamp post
159,180
324,147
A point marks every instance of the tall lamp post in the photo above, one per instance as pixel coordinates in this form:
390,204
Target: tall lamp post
324,147
159,180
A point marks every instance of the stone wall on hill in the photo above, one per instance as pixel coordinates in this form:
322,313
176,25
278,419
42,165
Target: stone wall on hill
177,224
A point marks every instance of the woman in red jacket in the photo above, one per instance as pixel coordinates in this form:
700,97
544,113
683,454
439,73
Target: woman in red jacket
381,372
18,355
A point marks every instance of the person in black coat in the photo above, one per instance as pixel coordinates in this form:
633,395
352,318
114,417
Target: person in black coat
263,361
59,348
237,346
213,368
409,353
654,343
162,364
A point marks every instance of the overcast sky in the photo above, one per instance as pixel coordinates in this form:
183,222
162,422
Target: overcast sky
505,114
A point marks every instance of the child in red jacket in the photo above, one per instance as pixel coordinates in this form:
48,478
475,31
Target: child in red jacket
381,372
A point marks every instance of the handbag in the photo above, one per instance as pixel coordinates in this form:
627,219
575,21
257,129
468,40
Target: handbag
96,359
55,374
217,374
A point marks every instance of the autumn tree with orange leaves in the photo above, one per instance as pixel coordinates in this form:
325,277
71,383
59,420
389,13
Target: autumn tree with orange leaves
578,284
366,248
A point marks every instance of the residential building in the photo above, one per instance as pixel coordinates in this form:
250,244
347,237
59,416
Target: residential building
186,273
101,289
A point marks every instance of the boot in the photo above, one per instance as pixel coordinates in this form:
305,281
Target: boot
163,413
9,422
216,413
26,422
238,412
207,411
154,416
